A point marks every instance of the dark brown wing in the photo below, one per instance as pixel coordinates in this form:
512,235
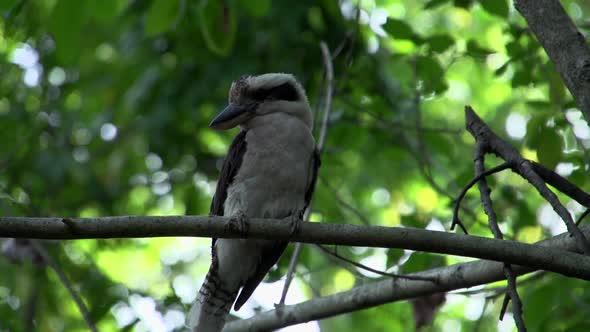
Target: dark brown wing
230,167
272,254
316,162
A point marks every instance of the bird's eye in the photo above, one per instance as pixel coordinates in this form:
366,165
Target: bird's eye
285,91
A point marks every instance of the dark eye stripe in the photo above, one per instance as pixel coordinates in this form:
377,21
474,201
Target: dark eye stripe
285,91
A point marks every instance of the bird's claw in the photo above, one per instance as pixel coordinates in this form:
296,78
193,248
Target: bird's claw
294,224
239,223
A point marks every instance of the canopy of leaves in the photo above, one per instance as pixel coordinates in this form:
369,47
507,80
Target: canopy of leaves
104,107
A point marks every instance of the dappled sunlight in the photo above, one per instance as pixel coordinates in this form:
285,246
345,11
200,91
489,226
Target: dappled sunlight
516,125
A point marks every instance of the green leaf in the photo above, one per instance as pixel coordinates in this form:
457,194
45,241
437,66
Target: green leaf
496,7
316,19
474,49
550,148
435,3
393,256
557,93
106,10
7,4
412,221
420,261
534,129
579,177
463,3
514,49
432,74
537,306
502,69
401,30
522,77
539,105
218,26
440,43
161,15
66,25
257,9
525,216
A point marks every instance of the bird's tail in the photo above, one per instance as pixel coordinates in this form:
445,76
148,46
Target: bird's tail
212,305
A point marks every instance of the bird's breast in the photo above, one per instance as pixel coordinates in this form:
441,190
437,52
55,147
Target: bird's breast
274,174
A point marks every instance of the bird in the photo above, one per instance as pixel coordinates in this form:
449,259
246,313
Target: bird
270,171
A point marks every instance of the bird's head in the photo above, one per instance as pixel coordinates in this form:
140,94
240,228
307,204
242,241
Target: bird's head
257,96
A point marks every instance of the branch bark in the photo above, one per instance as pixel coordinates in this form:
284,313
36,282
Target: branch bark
560,261
564,44
449,278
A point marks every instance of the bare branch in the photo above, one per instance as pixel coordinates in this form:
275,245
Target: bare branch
488,206
494,144
566,263
450,278
562,184
456,220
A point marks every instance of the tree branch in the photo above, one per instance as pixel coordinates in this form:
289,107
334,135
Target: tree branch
486,199
449,278
67,284
566,263
562,184
494,144
564,44
456,220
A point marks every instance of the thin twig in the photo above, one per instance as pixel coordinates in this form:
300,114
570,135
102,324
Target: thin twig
485,192
30,310
456,220
370,269
328,97
344,203
562,184
66,282
499,290
320,146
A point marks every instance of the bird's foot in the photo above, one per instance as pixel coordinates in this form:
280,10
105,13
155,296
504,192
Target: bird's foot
238,222
295,222
279,308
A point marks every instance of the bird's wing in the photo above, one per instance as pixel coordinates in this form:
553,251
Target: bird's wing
271,254
230,167
316,162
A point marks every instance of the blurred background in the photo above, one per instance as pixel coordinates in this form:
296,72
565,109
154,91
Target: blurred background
104,107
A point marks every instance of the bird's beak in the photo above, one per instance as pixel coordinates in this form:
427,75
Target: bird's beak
231,116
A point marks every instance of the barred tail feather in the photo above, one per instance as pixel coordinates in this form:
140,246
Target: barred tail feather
212,305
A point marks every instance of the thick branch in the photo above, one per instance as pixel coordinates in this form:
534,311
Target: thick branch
449,278
566,263
564,44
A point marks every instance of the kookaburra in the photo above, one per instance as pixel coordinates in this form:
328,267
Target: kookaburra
269,172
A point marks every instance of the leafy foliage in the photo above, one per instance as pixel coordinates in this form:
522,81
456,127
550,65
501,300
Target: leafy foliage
104,107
